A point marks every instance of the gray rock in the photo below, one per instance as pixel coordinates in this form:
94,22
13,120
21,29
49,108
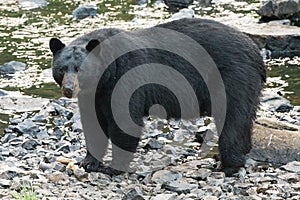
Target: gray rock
19,103
284,108
153,144
80,174
279,8
216,178
280,40
275,141
290,177
59,167
42,135
32,4
180,135
183,13
179,186
63,111
8,137
274,102
84,11
45,166
64,147
3,93
200,174
164,176
293,166
58,133
39,118
27,127
134,194
172,196
5,183
30,144
12,67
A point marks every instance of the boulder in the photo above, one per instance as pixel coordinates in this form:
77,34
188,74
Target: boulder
275,142
279,9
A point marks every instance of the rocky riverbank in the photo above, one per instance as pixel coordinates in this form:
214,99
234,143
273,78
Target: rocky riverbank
42,148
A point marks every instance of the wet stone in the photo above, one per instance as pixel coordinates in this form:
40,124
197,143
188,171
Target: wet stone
30,144
284,108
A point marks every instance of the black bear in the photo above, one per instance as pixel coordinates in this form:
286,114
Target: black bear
236,56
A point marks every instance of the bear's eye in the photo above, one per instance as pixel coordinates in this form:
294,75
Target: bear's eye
77,69
62,69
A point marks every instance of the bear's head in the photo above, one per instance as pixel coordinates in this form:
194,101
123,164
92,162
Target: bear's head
66,64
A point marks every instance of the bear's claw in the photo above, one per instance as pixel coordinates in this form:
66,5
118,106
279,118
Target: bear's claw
90,163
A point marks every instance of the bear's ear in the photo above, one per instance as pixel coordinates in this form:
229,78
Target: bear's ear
92,44
56,45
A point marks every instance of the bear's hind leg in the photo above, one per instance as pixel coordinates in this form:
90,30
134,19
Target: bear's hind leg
234,144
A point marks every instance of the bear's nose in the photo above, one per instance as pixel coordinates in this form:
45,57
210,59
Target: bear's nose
68,92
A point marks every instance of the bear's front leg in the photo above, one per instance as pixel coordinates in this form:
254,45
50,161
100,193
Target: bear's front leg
90,163
123,148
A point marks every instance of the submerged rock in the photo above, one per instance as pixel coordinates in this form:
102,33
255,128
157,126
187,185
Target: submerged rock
3,93
177,4
84,11
12,67
183,13
32,4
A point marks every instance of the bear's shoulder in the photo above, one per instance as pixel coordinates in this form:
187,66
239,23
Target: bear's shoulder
100,35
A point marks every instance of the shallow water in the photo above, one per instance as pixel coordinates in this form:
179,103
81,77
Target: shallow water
25,34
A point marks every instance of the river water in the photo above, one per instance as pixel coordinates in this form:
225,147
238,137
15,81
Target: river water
25,34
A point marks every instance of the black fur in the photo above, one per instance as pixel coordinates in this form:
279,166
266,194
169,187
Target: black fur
237,58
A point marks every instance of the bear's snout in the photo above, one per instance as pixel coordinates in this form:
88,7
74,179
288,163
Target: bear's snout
70,86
